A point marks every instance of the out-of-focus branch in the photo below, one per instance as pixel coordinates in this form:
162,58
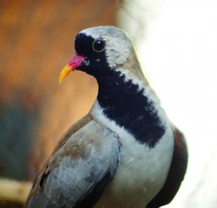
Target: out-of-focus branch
14,191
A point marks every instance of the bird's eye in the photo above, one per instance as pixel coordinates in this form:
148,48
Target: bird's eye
98,45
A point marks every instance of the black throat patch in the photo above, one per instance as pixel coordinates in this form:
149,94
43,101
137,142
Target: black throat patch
128,106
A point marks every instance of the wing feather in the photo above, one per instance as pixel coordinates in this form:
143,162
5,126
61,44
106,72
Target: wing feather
79,170
176,173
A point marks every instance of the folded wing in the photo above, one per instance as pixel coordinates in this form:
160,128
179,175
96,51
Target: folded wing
79,170
176,173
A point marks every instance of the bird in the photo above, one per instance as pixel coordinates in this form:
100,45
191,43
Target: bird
125,153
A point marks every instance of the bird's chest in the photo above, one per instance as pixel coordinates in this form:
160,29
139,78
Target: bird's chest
141,173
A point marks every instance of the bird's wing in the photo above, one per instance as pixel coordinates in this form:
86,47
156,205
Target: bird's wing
176,173
79,169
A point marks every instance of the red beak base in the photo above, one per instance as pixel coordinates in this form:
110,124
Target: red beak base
71,66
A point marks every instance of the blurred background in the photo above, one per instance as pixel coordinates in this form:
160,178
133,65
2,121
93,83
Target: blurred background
176,44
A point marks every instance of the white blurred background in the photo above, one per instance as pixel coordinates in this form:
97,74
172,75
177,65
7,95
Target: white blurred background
176,42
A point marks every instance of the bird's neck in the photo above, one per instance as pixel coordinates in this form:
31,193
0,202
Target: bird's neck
130,105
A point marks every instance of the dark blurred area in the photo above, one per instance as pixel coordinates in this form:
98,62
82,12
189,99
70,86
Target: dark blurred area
36,41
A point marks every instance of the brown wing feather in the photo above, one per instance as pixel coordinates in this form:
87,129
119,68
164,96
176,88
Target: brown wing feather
72,130
176,173
39,179
81,166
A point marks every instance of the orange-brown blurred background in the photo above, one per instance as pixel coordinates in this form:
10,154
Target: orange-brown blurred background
36,41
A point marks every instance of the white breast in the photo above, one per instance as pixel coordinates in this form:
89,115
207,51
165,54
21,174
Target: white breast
142,171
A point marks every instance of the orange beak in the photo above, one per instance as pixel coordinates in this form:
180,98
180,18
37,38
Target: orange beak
71,66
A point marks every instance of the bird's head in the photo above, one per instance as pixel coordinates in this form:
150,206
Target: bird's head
100,51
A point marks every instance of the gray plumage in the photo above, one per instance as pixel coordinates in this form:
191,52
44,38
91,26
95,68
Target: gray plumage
84,170
78,166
